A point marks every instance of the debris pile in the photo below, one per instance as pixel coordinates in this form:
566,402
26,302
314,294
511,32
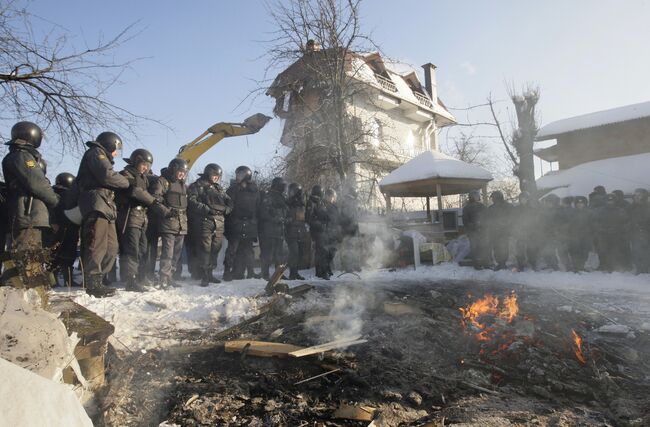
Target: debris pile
419,359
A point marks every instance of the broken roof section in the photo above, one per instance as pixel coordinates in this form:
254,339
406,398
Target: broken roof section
591,120
419,177
370,69
619,173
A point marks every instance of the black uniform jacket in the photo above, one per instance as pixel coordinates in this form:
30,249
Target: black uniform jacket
29,192
97,182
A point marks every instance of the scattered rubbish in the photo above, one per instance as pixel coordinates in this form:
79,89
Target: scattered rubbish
357,413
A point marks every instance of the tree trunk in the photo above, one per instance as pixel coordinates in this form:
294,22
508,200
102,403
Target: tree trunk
524,139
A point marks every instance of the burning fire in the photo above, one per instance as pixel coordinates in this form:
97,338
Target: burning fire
577,343
489,305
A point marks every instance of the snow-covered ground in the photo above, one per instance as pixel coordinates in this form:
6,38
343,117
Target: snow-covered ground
160,318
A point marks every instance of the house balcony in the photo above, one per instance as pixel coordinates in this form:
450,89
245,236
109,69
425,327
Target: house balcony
418,115
423,100
386,102
386,83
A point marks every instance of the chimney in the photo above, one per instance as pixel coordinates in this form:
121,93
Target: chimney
430,81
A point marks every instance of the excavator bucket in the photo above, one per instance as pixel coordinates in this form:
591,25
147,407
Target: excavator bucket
256,122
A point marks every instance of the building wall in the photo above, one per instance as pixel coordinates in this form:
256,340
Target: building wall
615,140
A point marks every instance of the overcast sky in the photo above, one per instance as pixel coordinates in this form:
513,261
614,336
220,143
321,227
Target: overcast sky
201,59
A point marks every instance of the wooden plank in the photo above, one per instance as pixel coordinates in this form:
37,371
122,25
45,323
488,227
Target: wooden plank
273,281
321,348
260,348
358,413
299,290
400,308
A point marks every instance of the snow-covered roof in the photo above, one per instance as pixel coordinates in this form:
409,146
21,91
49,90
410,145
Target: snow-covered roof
599,118
619,173
434,165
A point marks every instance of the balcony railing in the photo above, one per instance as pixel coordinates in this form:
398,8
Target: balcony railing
423,100
386,83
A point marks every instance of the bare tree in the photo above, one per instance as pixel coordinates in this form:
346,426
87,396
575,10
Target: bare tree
46,79
318,44
470,149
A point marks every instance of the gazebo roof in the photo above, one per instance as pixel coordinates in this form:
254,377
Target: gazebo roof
419,177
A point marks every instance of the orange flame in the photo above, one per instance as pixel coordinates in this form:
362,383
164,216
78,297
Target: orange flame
510,309
489,305
577,341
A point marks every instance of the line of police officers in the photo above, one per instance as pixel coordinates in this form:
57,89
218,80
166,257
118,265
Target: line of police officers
560,233
134,211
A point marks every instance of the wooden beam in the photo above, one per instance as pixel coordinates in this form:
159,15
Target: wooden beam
358,413
260,348
321,348
429,209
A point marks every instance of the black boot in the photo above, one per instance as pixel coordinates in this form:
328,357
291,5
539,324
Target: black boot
227,276
132,285
265,272
95,287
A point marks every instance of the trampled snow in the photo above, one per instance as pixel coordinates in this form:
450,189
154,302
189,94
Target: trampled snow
598,118
619,173
158,318
28,399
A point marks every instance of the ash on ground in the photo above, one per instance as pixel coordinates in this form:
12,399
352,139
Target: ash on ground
420,365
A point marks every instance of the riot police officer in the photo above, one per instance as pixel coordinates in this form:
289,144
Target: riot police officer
272,216
351,248
66,234
97,182
333,232
297,231
208,205
473,219
241,223
29,191
498,226
317,219
171,193
639,214
132,219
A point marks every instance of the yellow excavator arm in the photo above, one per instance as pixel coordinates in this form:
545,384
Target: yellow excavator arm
215,133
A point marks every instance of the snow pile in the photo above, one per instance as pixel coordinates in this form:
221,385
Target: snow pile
27,399
159,318
619,173
599,118
33,338
434,165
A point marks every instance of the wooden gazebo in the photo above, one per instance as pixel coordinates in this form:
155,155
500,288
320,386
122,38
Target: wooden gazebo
434,174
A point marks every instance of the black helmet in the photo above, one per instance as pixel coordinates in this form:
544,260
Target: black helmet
317,191
497,196
611,197
28,132
600,190
330,193
580,199
278,184
295,189
64,179
110,141
552,199
243,173
212,169
140,156
177,165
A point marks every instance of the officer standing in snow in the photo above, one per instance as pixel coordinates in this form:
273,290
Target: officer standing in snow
171,193
317,219
499,216
580,233
473,217
66,234
297,229
97,182
241,224
611,223
208,205
272,215
29,192
333,234
349,220
639,214
132,221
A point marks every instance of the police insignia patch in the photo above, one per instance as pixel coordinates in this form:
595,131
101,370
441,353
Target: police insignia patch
102,157
30,163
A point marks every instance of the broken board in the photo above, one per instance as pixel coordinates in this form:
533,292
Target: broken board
271,285
260,348
321,348
357,413
400,309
